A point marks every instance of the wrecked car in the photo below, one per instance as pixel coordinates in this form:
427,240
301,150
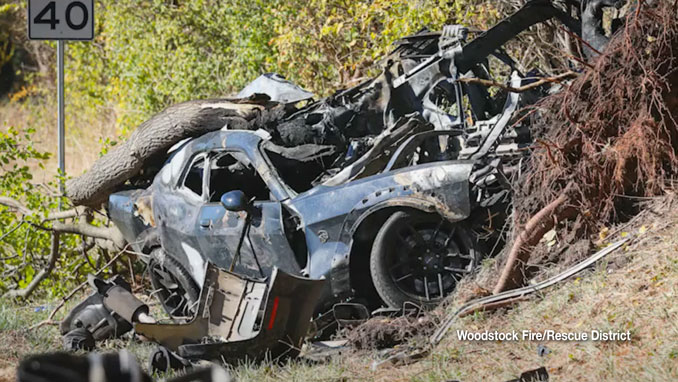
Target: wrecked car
390,190
221,199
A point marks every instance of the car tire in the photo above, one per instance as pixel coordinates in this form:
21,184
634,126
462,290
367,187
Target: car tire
419,258
172,285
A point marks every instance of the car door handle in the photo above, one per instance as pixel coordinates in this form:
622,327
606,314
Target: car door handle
206,223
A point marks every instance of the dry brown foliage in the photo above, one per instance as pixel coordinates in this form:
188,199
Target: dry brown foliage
610,135
612,132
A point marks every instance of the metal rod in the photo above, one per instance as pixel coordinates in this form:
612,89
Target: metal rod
60,113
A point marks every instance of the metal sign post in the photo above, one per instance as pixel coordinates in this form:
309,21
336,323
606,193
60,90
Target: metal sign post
61,155
61,20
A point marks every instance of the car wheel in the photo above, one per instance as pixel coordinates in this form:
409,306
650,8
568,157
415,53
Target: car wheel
420,258
172,285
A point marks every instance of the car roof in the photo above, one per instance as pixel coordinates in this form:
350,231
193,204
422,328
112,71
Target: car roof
242,139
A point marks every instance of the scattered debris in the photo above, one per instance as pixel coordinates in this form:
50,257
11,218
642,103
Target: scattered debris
163,360
277,88
240,319
322,351
95,367
237,319
93,319
79,339
542,350
536,375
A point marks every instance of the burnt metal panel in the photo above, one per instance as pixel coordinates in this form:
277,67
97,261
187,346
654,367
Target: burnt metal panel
331,214
219,231
122,212
228,313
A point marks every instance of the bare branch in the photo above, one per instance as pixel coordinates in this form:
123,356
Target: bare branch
84,228
15,204
50,318
68,214
54,215
86,246
111,234
561,77
17,226
53,256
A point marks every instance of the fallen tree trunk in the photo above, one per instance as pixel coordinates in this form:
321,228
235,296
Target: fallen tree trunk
157,135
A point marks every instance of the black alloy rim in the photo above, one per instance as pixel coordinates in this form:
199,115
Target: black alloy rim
429,259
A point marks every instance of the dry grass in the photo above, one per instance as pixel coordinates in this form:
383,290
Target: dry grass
84,132
17,340
634,290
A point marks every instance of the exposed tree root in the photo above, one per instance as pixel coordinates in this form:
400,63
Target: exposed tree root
610,135
494,306
533,85
542,222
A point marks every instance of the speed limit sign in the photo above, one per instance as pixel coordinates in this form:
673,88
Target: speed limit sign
61,19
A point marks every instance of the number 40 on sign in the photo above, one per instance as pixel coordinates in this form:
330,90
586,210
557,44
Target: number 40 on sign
61,19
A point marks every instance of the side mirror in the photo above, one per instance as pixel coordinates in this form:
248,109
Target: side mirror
235,201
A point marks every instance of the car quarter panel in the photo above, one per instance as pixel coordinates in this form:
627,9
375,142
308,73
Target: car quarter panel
121,211
330,215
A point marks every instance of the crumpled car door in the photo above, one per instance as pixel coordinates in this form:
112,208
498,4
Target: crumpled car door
179,211
265,246
221,230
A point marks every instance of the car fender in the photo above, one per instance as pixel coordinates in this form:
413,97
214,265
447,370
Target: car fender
445,193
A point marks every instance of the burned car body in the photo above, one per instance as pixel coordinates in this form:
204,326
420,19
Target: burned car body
311,233
385,189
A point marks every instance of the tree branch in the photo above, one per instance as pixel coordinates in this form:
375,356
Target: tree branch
15,204
82,228
53,256
53,215
50,318
106,237
86,229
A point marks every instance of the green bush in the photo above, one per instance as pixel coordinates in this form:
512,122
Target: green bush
327,44
150,54
24,249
